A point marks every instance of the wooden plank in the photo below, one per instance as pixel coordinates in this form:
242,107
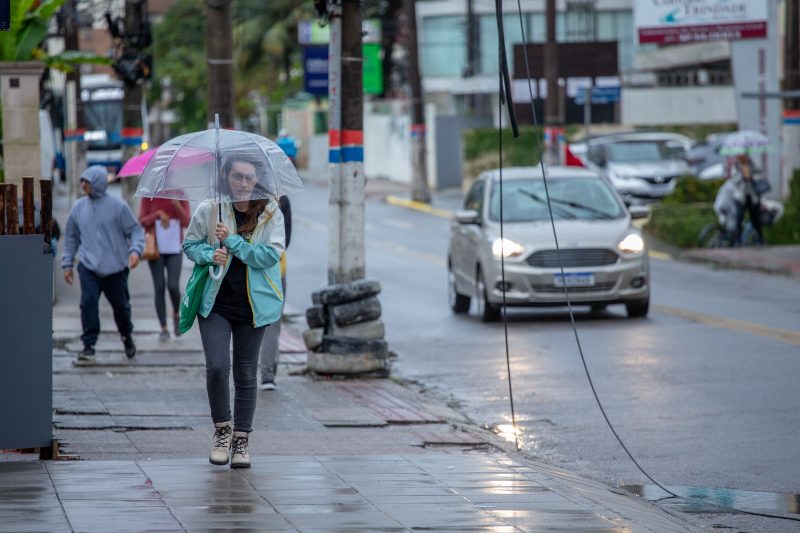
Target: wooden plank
12,211
2,208
46,213
28,223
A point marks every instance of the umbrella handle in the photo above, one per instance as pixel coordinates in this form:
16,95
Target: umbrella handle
215,271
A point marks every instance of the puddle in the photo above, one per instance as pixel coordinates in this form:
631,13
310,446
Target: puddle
707,500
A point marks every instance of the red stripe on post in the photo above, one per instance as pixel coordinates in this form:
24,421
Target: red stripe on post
352,137
334,139
132,132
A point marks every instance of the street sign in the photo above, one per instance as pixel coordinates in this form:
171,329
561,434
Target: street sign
600,95
315,67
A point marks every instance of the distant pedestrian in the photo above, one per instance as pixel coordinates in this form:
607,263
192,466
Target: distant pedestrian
748,188
242,304
287,143
166,219
270,346
105,232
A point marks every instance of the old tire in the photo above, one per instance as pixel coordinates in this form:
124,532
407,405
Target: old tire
487,311
356,312
638,309
459,303
315,316
349,345
313,338
328,363
347,292
374,329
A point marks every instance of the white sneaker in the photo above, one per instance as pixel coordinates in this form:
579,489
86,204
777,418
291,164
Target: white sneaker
223,434
240,457
268,385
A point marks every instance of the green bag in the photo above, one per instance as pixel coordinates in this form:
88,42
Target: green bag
192,297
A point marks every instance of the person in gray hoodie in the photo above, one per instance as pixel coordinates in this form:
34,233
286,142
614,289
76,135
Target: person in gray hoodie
106,233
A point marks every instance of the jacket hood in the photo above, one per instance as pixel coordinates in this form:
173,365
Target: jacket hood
97,177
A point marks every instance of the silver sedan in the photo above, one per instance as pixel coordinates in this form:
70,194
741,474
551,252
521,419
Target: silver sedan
604,257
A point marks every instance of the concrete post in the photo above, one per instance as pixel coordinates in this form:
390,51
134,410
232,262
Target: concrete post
19,94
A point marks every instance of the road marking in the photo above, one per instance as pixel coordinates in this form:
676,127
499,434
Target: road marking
659,255
419,206
791,337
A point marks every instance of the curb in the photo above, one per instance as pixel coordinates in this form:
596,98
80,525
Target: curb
418,206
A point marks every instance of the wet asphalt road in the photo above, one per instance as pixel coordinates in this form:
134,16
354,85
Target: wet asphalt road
705,391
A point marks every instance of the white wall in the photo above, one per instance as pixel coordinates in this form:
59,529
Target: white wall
678,105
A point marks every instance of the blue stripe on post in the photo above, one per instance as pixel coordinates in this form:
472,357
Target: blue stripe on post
353,154
131,141
335,155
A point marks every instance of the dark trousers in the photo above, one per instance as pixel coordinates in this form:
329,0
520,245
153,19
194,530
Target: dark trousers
754,208
115,287
216,333
171,263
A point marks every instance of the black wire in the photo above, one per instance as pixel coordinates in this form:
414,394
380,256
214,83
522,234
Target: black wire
569,302
503,266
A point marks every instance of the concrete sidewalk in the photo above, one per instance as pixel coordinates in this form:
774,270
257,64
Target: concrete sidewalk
328,455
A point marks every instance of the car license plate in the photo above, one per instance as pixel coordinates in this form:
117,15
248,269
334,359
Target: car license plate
574,280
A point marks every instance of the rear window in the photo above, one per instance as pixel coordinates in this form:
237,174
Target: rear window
633,151
571,198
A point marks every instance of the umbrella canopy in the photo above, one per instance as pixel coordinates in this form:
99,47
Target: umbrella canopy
221,165
744,142
135,165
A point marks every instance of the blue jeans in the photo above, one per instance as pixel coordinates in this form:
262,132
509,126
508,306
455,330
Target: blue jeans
216,333
115,287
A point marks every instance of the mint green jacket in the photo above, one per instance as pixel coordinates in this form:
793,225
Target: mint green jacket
260,254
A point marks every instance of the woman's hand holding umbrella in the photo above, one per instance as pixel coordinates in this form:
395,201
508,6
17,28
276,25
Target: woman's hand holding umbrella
220,256
221,232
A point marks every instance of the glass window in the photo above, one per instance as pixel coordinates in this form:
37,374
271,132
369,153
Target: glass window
571,198
538,28
443,47
489,56
474,199
626,152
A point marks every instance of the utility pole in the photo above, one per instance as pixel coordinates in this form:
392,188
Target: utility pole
345,336
133,44
552,114
419,168
791,48
219,50
75,122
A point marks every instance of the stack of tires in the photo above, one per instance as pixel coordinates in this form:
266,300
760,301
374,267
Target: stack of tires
346,335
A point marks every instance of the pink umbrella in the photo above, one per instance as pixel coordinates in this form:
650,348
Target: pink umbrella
135,165
191,156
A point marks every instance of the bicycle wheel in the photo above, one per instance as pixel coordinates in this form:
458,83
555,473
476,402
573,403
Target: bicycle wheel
711,236
750,236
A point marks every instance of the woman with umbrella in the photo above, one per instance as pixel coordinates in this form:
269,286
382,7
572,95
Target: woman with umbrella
748,184
242,295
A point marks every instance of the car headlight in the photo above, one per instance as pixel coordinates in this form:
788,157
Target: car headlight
632,244
506,248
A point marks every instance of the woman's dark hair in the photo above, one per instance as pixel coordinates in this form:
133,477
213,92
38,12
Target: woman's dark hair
261,192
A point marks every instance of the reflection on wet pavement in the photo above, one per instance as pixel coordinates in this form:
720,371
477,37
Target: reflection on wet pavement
716,500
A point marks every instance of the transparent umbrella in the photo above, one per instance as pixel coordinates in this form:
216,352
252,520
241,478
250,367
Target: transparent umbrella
744,142
196,167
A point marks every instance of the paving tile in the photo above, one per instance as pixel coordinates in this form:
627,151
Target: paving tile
318,497
366,519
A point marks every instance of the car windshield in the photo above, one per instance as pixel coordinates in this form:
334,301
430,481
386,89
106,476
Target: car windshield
631,151
571,198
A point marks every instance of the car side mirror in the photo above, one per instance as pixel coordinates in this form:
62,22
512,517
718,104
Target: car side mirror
468,216
639,211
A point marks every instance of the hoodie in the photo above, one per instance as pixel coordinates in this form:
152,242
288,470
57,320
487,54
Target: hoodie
102,228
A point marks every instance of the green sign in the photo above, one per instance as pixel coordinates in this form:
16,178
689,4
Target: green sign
373,69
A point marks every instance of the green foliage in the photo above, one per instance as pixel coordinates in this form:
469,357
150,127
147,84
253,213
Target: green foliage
680,224
690,189
482,150
787,230
68,60
29,20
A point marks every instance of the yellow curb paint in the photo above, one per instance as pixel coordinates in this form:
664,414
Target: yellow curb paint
418,206
791,337
659,255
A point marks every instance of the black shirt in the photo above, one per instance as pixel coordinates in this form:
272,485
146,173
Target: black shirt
232,301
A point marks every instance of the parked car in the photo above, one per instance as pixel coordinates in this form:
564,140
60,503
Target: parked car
704,158
604,256
640,165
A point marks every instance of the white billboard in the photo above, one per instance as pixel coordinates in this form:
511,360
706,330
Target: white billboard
685,21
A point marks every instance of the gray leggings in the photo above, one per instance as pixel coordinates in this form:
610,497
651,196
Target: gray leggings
172,263
216,333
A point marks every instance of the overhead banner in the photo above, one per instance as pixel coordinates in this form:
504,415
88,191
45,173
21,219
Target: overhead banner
686,21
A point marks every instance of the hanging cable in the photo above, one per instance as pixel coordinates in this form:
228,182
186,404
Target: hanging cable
505,89
504,96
